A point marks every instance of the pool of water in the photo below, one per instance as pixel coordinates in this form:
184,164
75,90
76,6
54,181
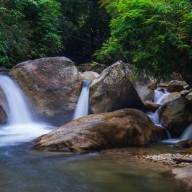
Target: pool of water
24,170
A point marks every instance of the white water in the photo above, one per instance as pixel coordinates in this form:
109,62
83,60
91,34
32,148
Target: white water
82,108
20,126
159,97
187,135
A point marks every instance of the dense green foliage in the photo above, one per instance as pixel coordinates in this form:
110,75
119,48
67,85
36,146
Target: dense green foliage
153,35
39,28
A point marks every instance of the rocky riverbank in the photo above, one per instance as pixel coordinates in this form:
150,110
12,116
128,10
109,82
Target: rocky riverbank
126,110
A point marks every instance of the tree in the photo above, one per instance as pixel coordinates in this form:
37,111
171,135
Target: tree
14,36
155,36
38,28
84,28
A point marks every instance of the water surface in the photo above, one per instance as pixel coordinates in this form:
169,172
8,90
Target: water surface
24,170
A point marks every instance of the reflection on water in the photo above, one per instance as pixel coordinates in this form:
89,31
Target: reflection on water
23,170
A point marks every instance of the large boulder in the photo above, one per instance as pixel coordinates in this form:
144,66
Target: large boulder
122,128
113,90
176,115
52,84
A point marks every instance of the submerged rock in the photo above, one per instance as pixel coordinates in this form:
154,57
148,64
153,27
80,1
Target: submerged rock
122,128
113,90
52,84
176,115
184,176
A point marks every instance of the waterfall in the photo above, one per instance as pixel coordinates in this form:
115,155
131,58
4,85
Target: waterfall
82,108
21,127
187,134
159,97
17,103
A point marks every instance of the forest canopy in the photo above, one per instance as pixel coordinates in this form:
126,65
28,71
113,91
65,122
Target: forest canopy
153,35
39,28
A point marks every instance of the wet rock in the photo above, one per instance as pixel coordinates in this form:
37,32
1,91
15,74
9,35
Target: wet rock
170,97
151,106
3,116
92,66
184,176
184,93
176,86
4,70
176,116
52,84
189,96
145,89
122,128
113,90
163,85
89,75
184,144
159,134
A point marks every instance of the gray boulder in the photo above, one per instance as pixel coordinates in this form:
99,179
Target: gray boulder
113,90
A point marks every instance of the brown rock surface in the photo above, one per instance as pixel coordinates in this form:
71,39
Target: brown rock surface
122,128
113,90
52,84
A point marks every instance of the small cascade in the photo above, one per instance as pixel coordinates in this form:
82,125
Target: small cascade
160,96
82,108
17,103
154,116
21,126
187,133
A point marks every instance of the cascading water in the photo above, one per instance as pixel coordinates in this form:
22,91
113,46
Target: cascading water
18,109
20,126
82,108
159,97
187,133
